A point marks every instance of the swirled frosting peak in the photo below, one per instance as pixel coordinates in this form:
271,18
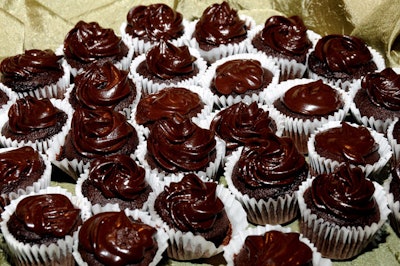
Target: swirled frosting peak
314,98
383,88
275,248
167,60
89,41
102,85
155,22
29,114
342,53
345,193
219,24
286,35
193,204
177,144
101,131
118,176
114,239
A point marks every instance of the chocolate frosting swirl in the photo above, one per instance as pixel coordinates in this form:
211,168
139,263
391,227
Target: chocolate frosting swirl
48,215
219,24
177,144
19,164
270,162
118,176
155,22
102,85
29,114
286,35
166,103
350,144
31,63
345,193
240,124
342,53
114,239
89,41
239,76
99,132
166,60
276,248
314,98
383,88
193,205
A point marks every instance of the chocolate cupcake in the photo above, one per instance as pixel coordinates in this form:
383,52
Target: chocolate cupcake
120,238
7,97
342,60
104,86
115,182
200,217
393,136
220,31
264,176
392,188
146,25
167,65
341,211
87,43
376,99
38,73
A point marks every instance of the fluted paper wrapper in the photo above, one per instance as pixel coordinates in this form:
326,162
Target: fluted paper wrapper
12,97
393,142
339,242
394,206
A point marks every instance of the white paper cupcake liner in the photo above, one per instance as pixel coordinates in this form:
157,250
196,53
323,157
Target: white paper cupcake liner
339,242
300,129
144,217
393,142
149,86
321,164
236,244
58,253
222,50
12,97
54,142
186,245
227,100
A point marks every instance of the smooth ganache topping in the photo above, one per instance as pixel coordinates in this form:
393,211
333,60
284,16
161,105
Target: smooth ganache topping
383,88
274,248
342,53
99,132
167,61
286,35
177,144
313,98
32,63
347,143
239,76
166,103
154,22
118,176
87,42
344,194
219,24
241,123
102,85
114,239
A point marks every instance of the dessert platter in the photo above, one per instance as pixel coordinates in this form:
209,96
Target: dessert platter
199,132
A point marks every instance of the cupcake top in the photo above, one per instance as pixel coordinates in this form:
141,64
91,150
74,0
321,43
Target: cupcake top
177,144
394,185
102,86
154,22
39,219
347,143
31,70
240,124
346,197
219,24
284,37
112,238
278,248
